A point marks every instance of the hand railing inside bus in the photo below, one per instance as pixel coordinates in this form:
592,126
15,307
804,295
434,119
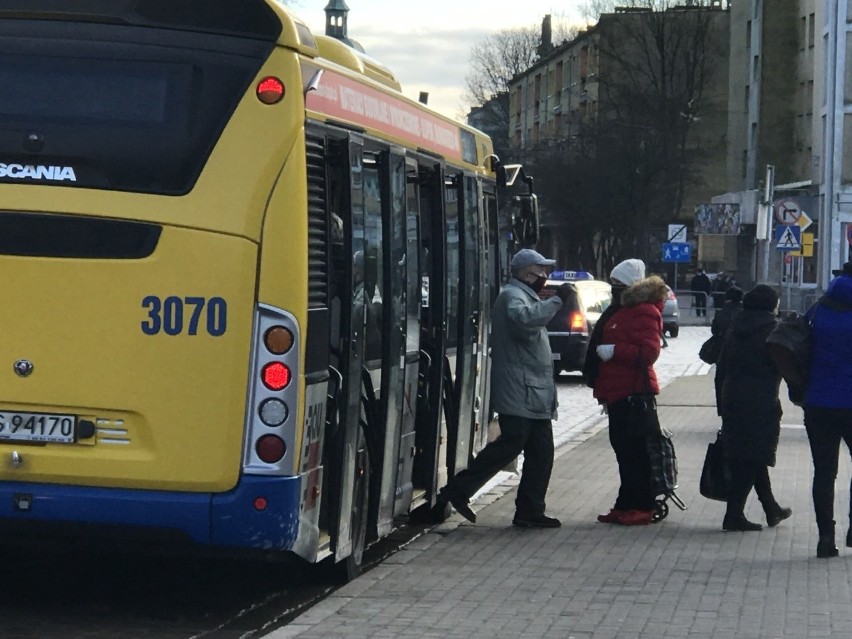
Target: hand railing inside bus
694,307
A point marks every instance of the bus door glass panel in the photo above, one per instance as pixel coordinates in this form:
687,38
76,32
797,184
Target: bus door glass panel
392,175
488,289
411,303
468,317
430,423
346,213
457,440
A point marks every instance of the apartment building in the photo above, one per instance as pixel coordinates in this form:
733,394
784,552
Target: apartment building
568,92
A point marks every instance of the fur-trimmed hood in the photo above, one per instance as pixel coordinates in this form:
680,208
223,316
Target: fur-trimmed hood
652,290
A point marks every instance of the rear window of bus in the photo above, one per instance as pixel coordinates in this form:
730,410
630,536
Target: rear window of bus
124,108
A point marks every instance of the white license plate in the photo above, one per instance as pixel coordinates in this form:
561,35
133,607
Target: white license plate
37,427
557,356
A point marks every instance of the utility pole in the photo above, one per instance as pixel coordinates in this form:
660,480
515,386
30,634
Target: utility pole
764,219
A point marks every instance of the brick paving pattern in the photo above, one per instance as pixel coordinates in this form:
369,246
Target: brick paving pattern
683,577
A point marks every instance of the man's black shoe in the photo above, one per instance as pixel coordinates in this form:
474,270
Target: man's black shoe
460,503
540,521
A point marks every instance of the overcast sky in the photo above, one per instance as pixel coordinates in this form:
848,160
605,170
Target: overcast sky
427,43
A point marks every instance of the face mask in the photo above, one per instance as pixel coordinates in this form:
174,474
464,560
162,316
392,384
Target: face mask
538,284
617,290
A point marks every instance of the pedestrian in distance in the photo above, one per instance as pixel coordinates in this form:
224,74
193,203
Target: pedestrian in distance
721,284
523,393
750,409
828,400
721,323
701,288
626,385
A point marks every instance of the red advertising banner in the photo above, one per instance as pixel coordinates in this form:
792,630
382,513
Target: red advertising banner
339,97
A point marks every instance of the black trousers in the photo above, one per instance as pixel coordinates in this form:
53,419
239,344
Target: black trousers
826,427
745,475
629,442
532,436
699,301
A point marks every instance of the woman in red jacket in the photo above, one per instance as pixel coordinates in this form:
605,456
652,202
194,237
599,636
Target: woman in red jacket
629,347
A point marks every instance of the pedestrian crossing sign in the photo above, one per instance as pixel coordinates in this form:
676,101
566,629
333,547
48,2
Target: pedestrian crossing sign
788,237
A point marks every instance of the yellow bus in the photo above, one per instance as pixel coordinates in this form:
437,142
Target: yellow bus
246,281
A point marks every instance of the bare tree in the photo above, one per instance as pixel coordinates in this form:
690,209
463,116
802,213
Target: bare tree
636,159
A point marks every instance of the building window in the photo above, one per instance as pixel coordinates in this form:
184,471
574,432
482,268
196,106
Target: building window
747,96
811,31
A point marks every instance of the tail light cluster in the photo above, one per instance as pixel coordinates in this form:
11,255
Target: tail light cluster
577,322
273,393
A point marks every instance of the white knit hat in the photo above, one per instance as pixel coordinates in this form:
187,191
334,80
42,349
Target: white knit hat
628,272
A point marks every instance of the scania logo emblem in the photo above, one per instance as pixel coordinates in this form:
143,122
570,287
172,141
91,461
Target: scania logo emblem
23,367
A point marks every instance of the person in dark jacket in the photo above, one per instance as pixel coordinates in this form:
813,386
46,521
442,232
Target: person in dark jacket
721,323
630,346
828,402
750,409
701,287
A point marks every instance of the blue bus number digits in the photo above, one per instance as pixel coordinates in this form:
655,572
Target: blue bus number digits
175,315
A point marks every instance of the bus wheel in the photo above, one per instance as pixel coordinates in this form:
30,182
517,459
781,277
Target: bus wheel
349,568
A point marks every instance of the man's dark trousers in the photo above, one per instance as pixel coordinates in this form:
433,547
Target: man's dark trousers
825,428
532,436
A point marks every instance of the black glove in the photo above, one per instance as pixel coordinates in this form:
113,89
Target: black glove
565,292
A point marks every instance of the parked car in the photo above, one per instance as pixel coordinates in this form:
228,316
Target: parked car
570,328
670,315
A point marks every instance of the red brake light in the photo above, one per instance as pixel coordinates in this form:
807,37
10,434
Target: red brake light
276,376
270,90
578,322
270,449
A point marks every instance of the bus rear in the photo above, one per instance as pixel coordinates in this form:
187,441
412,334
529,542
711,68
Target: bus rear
138,157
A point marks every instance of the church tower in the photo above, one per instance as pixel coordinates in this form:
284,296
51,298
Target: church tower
335,19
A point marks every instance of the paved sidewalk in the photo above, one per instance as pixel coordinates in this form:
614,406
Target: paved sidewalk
683,577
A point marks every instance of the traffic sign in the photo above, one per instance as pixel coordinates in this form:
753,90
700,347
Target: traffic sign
787,211
807,249
804,221
677,252
788,238
677,233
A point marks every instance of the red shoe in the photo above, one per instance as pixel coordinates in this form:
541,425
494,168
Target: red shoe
612,517
636,518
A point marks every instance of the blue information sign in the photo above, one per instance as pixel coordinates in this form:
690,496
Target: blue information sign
677,252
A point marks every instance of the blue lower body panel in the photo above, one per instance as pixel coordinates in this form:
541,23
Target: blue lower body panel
220,519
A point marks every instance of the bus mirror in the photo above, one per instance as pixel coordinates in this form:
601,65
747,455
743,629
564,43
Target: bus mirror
527,223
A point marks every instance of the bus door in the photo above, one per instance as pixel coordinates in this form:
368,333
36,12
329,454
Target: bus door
463,316
406,499
430,425
489,287
385,210
346,339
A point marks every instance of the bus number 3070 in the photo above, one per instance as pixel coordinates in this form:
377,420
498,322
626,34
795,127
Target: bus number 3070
174,315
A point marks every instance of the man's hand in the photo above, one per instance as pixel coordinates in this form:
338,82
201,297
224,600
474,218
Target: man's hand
605,351
565,292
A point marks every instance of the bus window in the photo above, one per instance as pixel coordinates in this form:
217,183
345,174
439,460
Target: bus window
412,263
373,261
453,272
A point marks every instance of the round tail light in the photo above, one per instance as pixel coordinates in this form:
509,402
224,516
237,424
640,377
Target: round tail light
270,449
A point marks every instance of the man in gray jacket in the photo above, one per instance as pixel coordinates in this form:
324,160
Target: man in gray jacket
523,393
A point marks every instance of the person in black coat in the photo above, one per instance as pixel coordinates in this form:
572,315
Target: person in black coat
750,409
721,323
701,288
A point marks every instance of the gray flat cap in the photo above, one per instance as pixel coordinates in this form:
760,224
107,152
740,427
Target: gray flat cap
528,257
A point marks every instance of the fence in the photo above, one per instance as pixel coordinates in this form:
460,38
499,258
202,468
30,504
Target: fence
695,308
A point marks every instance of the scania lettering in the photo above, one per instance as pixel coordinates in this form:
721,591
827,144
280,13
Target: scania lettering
40,172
